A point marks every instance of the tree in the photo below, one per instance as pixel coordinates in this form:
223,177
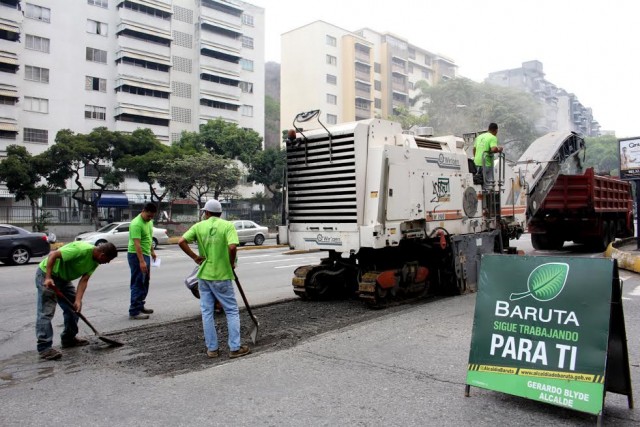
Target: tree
271,122
23,175
75,156
407,119
223,139
602,154
196,176
145,156
461,105
260,198
268,168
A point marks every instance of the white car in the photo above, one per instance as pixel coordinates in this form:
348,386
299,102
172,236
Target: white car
249,231
118,234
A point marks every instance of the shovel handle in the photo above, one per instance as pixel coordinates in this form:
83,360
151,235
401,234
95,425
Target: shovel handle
80,315
244,298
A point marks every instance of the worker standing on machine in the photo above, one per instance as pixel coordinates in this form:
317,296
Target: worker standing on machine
486,142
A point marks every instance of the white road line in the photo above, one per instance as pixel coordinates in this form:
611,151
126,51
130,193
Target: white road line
278,260
288,266
626,298
254,256
636,292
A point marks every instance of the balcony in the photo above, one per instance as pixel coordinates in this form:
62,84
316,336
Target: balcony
209,113
150,102
9,112
364,94
142,73
162,132
11,16
400,69
399,87
218,65
220,41
144,46
231,13
364,57
364,76
226,91
162,25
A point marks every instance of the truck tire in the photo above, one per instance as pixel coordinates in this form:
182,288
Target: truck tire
546,242
600,243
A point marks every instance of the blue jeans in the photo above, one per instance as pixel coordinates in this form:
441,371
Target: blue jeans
222,291
139,283
46,308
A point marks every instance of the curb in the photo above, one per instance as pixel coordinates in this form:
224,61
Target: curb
626,260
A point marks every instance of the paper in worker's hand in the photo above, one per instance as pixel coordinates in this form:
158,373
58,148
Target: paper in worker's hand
156,262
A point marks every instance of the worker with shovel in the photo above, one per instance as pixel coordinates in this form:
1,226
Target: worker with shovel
58,269
217,243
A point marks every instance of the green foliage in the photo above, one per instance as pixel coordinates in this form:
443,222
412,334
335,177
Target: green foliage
602,154
407,119
198,175
223,139
271,122
460,105
268,168
22,174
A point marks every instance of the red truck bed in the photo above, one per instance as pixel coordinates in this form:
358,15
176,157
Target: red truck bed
573,193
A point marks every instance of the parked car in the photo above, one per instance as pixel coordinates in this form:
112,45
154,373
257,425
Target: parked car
118,234
18,245
249,231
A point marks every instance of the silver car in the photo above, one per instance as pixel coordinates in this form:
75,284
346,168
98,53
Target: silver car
249,231
118,234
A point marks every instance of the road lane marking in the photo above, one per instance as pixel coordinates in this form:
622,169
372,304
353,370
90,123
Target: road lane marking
280,260
287,266
636,292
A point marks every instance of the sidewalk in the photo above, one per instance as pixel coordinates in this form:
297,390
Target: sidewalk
405,369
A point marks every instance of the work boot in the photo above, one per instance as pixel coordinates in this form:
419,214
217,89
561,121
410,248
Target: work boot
242,351
139,316
147,310
212,354
75,342
50,354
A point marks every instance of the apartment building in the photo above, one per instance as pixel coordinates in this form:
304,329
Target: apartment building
166,65
561,110
353,75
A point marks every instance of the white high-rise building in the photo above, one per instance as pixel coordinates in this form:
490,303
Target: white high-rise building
166,65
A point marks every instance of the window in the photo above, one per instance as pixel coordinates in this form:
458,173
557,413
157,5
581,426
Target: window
95,27
246,64
247,42
36,74
246,87
377,85
247,20
95,112
332,99
151,11
36,135
38,105
331,41
247,110
331,79
96,55
143,91
95,83
7,231
38,12
376,67
37,43
378,102
8,100
99,3
332,119
332,60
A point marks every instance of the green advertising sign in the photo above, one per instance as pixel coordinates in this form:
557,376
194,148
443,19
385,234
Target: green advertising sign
541,329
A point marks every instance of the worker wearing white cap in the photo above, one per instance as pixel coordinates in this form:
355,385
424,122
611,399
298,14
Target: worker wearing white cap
217,244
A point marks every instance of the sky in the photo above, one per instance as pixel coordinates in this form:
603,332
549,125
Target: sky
588,47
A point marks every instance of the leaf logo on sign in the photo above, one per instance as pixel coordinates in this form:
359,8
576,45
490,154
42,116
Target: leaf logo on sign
545,282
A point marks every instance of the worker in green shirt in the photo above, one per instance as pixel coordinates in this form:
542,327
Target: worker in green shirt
484,147
139,256
217,244
59,268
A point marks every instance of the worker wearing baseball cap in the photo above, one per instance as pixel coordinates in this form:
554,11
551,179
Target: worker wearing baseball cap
217,244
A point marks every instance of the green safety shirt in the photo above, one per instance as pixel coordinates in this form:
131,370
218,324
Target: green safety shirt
76,261
214,235
483,143
139,229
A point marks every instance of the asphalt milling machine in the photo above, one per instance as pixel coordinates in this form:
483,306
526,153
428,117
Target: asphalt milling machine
402,215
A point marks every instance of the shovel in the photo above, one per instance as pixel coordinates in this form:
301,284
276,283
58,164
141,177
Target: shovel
101,337
254,332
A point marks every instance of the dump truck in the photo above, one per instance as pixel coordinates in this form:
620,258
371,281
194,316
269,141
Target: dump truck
400,214
587,209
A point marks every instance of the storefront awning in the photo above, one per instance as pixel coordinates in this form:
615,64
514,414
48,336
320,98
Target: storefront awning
112,200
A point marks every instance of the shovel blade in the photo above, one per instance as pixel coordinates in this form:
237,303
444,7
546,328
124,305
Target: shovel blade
110,341
254,333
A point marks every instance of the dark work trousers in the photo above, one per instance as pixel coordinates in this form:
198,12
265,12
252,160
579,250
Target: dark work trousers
139,283
47,300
